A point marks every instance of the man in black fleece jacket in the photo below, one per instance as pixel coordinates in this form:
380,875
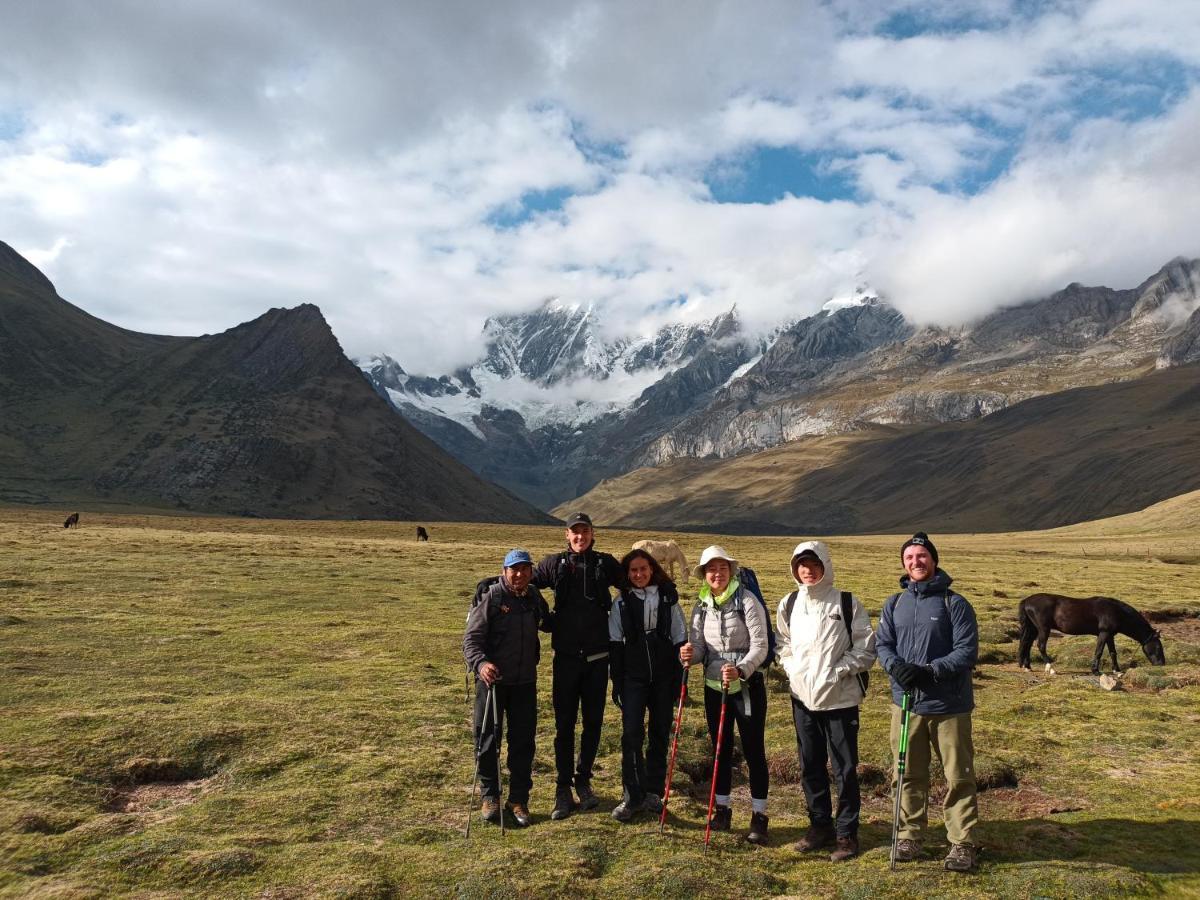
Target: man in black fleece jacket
502,648
581,579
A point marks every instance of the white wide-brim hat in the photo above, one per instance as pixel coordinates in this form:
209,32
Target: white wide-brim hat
716,551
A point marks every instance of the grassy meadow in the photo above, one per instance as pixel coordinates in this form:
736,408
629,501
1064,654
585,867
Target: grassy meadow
248,708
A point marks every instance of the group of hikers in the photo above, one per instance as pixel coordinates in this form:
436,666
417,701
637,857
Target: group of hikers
927,643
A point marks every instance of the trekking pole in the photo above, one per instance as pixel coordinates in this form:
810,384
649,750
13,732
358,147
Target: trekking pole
901,753
487,702
662,820
499,774
712,792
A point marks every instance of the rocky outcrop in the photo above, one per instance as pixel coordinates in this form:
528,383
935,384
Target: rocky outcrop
1183,346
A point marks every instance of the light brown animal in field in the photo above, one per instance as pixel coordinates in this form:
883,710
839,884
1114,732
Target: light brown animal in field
668,555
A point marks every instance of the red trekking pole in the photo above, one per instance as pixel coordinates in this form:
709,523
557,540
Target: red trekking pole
712,793
662,820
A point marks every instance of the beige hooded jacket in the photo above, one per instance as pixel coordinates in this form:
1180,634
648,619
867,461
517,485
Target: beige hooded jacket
814,647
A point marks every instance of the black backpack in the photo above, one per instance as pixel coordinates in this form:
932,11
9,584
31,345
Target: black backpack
864,678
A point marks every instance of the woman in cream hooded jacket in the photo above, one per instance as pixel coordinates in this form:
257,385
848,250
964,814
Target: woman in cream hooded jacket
822,663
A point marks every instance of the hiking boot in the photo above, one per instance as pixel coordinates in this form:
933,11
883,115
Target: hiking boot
907,850
587,797
847,848
490,810
519,813
564,804
758,829
653,804
722,818
961,858
625,810
817,837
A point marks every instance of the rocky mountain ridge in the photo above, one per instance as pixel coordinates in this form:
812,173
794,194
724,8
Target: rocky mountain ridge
843,370
268,418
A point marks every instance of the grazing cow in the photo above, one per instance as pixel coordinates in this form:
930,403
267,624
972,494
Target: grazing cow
72,519
422,534
1101,616
668,555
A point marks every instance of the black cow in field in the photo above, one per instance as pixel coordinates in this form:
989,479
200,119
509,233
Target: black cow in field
1101,616
72,519
422,534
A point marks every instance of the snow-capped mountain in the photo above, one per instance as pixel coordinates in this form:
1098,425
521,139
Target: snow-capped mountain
550,366
552,408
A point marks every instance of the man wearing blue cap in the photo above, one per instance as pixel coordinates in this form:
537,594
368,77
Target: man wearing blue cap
502,648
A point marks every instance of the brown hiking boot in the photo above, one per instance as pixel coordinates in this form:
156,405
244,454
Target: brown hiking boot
961,858
907,850
519,813
815,838
490,810
758,829
847,848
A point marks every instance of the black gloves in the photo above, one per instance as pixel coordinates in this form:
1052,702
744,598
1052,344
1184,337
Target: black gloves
911,677
906,675
926,680
616,695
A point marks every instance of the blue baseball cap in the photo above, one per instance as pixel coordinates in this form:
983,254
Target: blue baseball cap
516,557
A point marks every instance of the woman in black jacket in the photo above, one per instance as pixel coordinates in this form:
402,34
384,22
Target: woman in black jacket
646,630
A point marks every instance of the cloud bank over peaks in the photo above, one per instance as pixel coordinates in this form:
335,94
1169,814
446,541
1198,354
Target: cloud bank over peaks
416,169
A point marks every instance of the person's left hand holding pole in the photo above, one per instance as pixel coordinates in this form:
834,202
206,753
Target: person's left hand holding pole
489,673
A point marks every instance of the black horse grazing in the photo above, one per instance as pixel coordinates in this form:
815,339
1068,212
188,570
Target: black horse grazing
422,534
72,519
1101,616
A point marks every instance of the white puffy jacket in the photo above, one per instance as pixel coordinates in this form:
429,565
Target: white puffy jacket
813,645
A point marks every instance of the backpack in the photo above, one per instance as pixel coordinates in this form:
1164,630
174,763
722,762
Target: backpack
747,579
864,678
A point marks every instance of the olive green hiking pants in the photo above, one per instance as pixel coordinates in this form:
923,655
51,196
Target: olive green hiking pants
950,738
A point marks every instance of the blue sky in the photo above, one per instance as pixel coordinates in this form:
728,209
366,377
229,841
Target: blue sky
415,168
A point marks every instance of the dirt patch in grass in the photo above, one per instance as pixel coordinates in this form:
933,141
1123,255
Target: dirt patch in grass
154,787
157,797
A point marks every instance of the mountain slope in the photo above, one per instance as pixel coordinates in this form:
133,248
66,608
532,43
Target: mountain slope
267,418
1067,457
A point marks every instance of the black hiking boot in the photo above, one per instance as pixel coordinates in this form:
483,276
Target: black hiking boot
847,848
816,838
758,829
722,818
587,797
961,858
653,804
626,810
564,804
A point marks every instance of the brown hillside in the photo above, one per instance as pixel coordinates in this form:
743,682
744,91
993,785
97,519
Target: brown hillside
1068,457
268,418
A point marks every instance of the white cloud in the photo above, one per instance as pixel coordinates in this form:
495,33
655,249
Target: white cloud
1108,208
183,168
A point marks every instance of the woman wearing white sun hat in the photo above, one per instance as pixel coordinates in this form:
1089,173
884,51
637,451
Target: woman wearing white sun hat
728,636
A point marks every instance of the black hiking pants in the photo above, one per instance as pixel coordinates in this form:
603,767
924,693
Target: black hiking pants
577,685
829,737
752,729
644,771
518,708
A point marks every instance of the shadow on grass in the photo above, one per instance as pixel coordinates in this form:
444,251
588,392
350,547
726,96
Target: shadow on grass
1164,847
